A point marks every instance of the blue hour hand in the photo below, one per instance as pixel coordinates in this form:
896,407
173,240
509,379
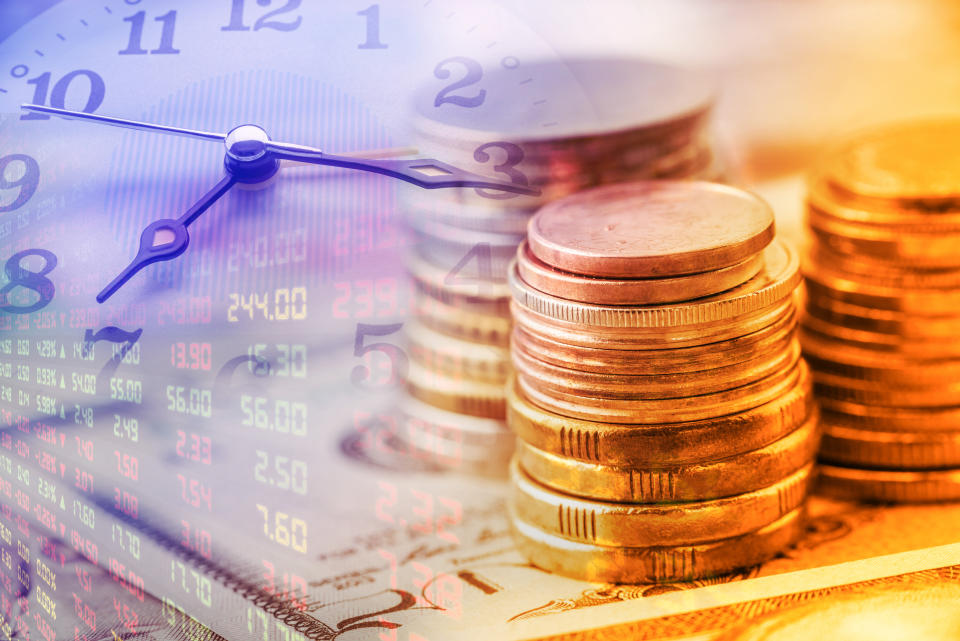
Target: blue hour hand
166,239
427,173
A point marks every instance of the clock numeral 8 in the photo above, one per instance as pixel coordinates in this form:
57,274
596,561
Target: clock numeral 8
20,277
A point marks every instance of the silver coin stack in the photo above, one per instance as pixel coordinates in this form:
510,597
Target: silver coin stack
630,120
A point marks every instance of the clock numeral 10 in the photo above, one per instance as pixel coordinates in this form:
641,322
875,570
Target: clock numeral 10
58,97
137,21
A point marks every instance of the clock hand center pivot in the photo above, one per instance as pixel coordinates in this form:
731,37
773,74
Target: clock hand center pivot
248,159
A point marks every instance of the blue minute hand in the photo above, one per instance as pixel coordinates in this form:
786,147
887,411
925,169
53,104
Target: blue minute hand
166,239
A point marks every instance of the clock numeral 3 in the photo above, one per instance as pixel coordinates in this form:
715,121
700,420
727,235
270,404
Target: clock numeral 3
58,97
27,182
21,277
514,156
237,23
137,21
473,76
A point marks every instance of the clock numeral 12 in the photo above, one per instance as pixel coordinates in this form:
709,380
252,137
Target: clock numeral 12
137,21
264,22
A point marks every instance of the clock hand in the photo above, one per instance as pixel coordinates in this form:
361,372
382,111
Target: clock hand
121,122
188,133
422,172
249,143
166,239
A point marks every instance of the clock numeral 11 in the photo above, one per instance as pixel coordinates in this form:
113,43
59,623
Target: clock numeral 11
137,20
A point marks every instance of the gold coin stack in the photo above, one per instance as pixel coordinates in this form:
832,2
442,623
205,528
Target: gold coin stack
651,123
666,422
883,313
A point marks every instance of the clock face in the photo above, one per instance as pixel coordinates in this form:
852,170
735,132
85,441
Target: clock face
209,398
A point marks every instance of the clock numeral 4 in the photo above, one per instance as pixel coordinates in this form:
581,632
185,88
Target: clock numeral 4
137,20
58,97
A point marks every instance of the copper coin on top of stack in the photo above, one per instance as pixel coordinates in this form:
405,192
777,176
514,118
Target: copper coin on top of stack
883,312
651,122
666,421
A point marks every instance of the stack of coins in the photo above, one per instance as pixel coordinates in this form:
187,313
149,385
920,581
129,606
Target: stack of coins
883,312
631,119
666,419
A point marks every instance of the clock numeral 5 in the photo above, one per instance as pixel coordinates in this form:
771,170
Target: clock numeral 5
398,359
237,23
137,20
58,97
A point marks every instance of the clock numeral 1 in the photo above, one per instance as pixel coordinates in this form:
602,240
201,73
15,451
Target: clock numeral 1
58,97
372,14
137,21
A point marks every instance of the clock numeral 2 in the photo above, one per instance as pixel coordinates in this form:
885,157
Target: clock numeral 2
473,76
237,23
137,21
58,97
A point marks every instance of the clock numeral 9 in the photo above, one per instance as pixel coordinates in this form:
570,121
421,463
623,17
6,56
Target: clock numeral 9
137,21
21,277
237,23
514,156
26,182
473,76
58,97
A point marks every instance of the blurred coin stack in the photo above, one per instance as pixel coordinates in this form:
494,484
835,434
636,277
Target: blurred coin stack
883,312
666,420
630,120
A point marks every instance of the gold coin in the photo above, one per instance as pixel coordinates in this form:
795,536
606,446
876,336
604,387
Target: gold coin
826,200
462,323
457,358
928,486
485,400
928,250
891,449
632,387
886,295
696,482
882,321
631,291
873,273
911,164
776,282
918,395
647,338
841,359
881,418
647,525
604,564
649,446
912,347
671,410
739,349
651,229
